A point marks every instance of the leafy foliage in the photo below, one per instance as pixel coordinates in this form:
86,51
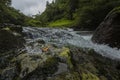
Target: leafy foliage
10,15
87,14
90,15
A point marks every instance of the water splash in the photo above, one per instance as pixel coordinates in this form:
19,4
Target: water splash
62,37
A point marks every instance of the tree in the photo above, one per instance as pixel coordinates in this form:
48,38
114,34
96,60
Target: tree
6,2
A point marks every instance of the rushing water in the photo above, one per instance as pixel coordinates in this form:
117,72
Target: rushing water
61,37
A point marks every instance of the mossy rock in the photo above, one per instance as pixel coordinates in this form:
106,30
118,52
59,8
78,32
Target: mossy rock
46,69
65,54
90,63
81,64
89,76
26,63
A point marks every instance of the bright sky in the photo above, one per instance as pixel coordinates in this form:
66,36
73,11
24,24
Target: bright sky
30,7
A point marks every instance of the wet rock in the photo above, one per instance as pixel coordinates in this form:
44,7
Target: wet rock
10,40
29,67
59,63
40,41
91,65
9,74
65,57
44,70
62,67
108,31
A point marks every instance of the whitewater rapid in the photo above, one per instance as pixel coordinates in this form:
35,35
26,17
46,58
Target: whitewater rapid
61,37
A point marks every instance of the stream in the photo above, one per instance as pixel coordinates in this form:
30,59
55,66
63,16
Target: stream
62,37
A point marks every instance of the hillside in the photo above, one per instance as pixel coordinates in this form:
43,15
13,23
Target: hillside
9,15
80,14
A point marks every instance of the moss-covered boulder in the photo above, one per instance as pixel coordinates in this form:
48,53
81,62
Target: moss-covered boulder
92,66
108,31
28,67
44,70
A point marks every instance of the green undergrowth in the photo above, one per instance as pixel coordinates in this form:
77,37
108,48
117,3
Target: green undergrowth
115,10
61,23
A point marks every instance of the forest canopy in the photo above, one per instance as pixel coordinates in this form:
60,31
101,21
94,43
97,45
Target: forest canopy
80,14
83,14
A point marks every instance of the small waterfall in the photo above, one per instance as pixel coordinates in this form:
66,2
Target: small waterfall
62,37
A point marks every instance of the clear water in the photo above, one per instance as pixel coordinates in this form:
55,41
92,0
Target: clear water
63,37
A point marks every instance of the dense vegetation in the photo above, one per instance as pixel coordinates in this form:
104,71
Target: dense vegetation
9,14
12,16
83,14
80,14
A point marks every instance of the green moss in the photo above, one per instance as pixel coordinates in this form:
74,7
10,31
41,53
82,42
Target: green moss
33,23
25,63
89,76
66,54
115,10
6,28
90,67
50,62
61,23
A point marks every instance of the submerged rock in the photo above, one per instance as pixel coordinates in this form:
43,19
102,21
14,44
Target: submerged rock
108,31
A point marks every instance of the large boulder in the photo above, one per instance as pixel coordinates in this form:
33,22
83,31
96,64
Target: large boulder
108,31
10,39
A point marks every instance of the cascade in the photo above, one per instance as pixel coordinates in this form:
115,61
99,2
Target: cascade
62,37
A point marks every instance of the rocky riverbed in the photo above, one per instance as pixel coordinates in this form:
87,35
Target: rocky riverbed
54,54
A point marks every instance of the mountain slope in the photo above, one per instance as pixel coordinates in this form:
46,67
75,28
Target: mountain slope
84,14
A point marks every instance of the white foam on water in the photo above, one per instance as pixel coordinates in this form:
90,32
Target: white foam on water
68,36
